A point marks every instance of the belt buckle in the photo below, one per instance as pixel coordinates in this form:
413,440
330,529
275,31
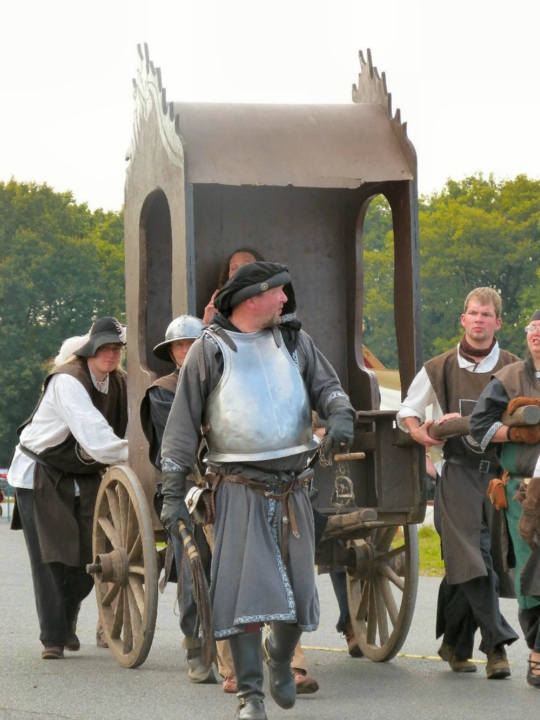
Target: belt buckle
484,466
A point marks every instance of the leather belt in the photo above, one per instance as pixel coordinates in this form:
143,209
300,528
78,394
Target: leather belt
481,466
262,487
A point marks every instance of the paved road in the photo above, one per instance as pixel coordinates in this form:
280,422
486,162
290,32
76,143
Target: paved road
89,685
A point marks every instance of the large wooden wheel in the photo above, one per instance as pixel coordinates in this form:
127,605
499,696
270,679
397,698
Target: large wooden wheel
125,566
382,590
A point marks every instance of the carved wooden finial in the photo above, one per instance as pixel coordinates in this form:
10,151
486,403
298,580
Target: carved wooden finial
372,90
149,94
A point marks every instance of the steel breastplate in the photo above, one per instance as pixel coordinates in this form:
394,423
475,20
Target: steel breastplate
260,409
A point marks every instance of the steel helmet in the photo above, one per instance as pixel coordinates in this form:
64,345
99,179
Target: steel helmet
185,327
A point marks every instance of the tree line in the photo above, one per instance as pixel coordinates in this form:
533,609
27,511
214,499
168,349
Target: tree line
62,265
473,233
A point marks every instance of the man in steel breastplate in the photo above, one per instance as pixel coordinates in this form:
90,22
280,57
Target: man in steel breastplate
464,517
251,382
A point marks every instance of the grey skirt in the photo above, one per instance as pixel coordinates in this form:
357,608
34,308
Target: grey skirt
249,580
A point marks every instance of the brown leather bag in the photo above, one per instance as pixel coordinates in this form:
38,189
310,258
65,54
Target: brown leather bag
497,492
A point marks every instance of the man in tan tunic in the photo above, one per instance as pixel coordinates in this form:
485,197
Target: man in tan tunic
469,596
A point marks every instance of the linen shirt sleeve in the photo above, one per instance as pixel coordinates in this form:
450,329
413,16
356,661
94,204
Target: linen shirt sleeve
86,423
419,397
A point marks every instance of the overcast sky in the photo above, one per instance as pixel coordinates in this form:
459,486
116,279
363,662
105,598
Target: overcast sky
465,73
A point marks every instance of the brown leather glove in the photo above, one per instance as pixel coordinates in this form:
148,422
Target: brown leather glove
520,493
529,522
518,402
529,434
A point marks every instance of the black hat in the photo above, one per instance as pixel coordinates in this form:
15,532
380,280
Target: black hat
254,279
535,316
104,330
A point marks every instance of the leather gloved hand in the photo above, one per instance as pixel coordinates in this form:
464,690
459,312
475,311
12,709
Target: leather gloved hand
529,522
520,493
340,427
174,507
518,402
529,434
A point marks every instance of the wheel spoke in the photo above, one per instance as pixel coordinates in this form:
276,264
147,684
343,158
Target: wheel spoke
382,619
127,633
118,619
391,575
137,569
135,613
387,556
136,551
123,503
106,525
372,615
389,601
110,595
385,539
136,587
115,513
132,528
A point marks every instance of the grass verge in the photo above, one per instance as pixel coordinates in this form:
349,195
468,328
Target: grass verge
429,549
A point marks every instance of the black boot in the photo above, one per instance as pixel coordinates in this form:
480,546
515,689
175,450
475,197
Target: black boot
248,665
279,647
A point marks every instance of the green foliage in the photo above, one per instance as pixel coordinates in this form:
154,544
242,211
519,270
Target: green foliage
476,232
61,267
379,330
429,551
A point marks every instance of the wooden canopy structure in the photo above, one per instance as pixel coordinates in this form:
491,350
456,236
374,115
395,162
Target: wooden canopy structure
293,181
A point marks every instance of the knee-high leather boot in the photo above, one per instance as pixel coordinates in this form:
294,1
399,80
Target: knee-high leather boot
246,651
279,648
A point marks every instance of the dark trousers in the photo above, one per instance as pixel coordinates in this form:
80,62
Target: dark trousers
473,604
455,620
189,620
529,619
339,583
58,588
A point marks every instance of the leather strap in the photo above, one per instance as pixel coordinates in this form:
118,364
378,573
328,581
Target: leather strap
288,517
481,466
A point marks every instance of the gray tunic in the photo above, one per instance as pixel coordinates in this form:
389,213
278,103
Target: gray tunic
249,580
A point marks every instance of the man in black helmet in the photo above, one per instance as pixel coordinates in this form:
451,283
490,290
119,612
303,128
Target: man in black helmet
75,431
252,381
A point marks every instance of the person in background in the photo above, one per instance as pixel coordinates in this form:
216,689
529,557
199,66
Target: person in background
236,260
464,517
76,430
516,386
155,408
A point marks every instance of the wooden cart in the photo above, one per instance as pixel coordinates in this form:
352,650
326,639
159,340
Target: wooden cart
294,182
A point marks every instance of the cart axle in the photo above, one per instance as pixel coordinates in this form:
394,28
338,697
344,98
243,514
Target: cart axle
111,567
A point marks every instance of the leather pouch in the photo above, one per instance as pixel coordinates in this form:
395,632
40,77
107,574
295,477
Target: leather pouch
497,492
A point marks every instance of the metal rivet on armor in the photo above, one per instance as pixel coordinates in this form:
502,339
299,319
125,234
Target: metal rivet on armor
264,287
285,519
266,494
